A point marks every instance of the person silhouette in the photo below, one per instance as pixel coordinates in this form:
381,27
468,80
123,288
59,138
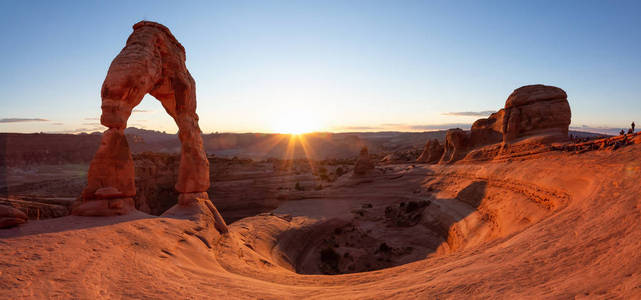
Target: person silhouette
632,125
622,132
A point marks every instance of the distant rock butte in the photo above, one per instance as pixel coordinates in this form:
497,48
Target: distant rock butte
153,62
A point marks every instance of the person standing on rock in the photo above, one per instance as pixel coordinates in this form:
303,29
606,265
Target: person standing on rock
632,125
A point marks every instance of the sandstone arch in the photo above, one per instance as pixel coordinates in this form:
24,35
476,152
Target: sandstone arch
153,62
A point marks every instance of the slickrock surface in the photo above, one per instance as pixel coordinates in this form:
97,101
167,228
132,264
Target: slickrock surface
554,225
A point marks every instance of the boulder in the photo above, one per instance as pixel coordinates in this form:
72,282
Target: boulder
432,152
10,217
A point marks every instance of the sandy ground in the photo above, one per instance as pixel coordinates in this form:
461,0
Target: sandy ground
555,225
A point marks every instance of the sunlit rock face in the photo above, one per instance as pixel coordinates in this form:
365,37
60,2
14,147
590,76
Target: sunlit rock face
488,131
539,114
457,143
112,167
432,152
532,110
153,62
536,110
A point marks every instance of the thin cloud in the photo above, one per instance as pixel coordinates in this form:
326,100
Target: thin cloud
22,120
142,111
406,127
57,123
444,126
358,128
470,113
92,119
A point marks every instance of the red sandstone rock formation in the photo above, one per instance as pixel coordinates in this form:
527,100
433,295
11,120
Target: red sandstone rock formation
432,152
532,110
10,217
153,62
364,164
488,131
112,167
457,144
537,110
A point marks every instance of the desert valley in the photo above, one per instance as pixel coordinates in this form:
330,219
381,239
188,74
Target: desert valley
518,206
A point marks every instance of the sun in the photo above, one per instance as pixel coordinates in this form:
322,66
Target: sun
296,122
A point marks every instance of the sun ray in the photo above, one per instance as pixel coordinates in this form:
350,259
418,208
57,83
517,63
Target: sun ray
309,152
289,152
270,142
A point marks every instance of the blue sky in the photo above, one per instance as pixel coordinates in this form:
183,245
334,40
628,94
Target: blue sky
265,66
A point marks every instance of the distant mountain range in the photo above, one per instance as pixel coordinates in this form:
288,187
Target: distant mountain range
265,145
